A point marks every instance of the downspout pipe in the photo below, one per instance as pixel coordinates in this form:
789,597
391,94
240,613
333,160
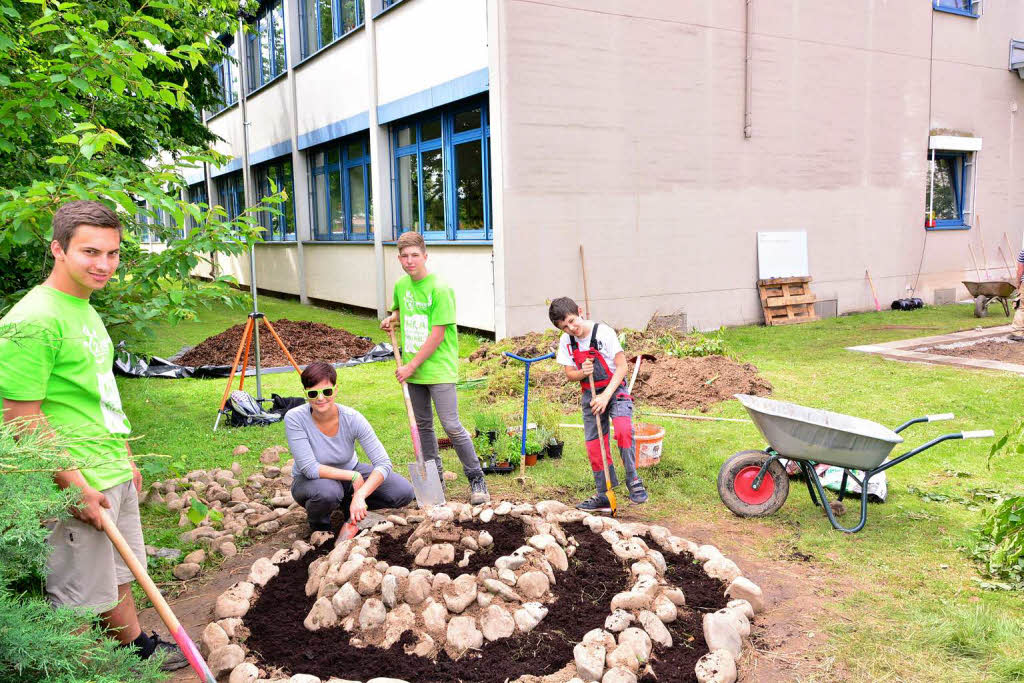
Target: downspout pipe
748,27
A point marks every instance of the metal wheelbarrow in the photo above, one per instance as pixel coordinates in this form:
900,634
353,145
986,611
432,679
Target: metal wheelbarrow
986,292
755,483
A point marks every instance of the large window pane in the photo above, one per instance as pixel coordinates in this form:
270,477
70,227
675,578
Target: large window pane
433,192
467,120
232,68
431,130
357,201
326,10
337,216
348,15
945,203
322,215
265,50
406,136
333,156
408,193
469,186
279,39
354,151
369,195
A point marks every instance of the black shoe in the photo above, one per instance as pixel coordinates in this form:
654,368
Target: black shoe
173,657
596,503
478,494
1016,337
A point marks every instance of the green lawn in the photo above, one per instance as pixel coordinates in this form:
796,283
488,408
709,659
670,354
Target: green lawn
909,607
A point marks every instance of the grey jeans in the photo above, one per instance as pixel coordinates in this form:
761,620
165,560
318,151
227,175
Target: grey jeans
447,405
321,497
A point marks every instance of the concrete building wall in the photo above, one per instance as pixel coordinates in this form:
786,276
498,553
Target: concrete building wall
429,42
332,84
268,111
623,130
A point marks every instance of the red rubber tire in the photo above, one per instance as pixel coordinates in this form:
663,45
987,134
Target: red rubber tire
735,479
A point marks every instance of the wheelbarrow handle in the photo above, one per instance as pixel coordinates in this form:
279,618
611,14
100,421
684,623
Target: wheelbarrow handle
529,360
938,417
978,434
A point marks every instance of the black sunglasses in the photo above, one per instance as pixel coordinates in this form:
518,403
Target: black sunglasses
313,393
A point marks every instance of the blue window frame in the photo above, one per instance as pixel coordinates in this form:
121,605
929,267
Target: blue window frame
442,183
341,196
196,194
271,178
231,193
143,219
265,45
388,3
952,188
968,8
226,72
322,22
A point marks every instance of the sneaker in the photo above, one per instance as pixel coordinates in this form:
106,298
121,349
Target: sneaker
173,657
1016,337
637,492
478,494
596,503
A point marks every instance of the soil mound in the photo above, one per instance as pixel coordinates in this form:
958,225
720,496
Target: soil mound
687,383
307,341
991,349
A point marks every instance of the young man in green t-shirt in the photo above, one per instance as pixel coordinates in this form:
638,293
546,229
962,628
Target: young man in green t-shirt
57,374
424,306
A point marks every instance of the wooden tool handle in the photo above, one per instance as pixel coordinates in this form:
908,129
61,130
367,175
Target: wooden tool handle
636,371
612,503
586,295
414,430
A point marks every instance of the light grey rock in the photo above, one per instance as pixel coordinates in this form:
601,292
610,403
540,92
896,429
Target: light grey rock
440,513
743,588
486,515
743,606
628,550
230,626
676,595
484,538
245,672
706,552
372,613
503,508
262,571
234,602
557,557
739,620
717,666
624,657
499,588
224,659
272,455
722,568
665,609
432,555
619,675
618,620
463,635
541,541
460,593
418,589
227,548
529,615
507,576
496,622
268,527
640,642
551,507
304,678
240,450
589,659
213,637
470,543
321,615
389,590
369,581
631,600
643,567
435,619
721,632
533,585
655,628
346,601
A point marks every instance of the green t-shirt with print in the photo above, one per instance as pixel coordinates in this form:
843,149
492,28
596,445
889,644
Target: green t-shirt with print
423,305
55,349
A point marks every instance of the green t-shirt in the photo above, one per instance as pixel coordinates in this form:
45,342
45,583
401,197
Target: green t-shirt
54,348
422,306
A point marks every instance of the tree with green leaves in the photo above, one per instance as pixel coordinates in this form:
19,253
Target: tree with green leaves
100,101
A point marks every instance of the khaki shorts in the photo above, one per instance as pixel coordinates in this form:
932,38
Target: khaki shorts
84,569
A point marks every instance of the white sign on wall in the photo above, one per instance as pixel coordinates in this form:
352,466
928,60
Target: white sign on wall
782,254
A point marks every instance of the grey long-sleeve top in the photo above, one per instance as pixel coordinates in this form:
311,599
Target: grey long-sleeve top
311,448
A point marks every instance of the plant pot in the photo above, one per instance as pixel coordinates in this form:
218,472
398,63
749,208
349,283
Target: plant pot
555,449
543,453
531,459
492,435
503,463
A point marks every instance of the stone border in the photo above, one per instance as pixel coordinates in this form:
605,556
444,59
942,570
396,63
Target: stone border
601,655
901,350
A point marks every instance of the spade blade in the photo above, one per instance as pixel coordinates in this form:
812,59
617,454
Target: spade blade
426,483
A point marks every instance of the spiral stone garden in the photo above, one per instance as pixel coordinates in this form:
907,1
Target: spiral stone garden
527,592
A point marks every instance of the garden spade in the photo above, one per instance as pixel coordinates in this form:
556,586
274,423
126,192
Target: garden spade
188,648
426,482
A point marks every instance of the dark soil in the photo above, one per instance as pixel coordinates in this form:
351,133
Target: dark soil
307,341
696,382
582,594
991,349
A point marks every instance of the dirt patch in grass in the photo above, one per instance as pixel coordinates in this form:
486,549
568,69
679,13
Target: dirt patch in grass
306,341
991,348
687,383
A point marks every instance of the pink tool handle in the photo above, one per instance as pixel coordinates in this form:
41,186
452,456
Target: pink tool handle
192,655
348,530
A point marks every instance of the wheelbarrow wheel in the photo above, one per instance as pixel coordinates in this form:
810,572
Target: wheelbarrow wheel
735,485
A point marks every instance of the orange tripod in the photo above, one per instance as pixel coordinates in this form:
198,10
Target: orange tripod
244,343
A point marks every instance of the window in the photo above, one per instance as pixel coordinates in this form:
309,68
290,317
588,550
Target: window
442,174
388,3
231,193
143,219
951,185
265,45
226,72
324,21
272,178
970,8
196,194
342,203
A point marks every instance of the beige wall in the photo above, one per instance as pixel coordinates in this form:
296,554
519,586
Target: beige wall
623,129
268,111
332,85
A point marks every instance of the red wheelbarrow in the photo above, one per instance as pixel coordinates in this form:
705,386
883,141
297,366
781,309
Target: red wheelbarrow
755,483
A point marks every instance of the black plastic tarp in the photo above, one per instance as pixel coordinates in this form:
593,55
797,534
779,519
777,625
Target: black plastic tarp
128,364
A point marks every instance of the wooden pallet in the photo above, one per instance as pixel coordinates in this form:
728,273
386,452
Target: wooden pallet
786,300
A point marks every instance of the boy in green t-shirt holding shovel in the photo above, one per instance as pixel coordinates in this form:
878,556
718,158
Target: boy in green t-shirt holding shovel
424,305
57,374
